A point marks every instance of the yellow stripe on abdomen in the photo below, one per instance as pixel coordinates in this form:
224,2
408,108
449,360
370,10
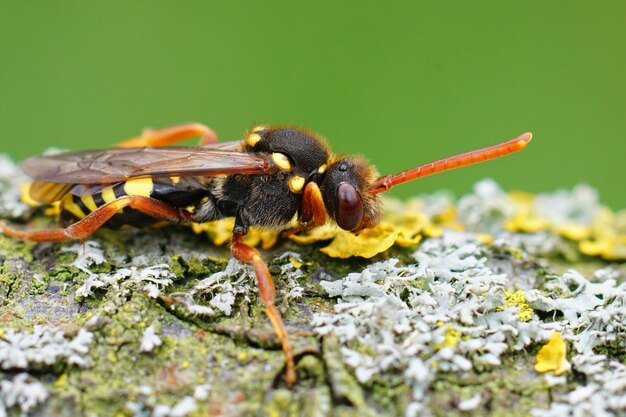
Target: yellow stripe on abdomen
141,186
108,195
68,204
89,202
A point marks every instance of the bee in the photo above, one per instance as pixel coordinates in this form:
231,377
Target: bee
271,176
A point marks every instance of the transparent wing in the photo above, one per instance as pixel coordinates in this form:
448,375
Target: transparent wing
120,164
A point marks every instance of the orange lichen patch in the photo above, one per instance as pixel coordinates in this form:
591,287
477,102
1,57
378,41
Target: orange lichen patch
403,228
413,211
406,239
411,224
318,234
447,218
574,231
221,231
366,244
608,236
403,222
552,357
525,219
525,222
611,248
484,238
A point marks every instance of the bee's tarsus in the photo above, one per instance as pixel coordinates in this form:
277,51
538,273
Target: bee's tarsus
248,254
241,227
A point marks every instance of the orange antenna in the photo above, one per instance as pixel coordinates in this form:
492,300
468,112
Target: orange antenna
468,158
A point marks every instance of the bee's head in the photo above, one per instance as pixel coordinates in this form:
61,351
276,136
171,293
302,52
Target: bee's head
346,192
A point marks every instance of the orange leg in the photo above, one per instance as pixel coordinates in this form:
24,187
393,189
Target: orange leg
95,220
312,210
245,253
169,135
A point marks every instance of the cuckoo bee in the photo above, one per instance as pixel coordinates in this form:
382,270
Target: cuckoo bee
271,176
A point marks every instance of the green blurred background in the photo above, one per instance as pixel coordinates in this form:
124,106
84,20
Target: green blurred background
399,82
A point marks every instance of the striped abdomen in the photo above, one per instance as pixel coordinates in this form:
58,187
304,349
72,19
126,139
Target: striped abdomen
174,190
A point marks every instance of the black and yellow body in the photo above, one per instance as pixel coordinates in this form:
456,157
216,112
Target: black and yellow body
272,175
184,192
297,157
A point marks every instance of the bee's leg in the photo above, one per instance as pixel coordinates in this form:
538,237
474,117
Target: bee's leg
170,135
94,221
248,254
312,210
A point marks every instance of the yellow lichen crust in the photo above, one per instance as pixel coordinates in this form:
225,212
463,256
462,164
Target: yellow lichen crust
366,244
518,299
552,357
452,338
156,321
405,224
220,232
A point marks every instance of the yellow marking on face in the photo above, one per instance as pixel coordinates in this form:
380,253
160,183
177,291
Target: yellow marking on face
140,186
322,168
108,195
259,128
253,139
68,204
175,180
296,183
281,161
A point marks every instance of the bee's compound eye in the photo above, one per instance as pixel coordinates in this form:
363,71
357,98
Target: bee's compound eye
349,207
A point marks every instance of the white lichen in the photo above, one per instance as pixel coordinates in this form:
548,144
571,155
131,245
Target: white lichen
237,283
45,345
444,313
150,280
486,209
22,391
12,178
184,407
149,340
201,392
236,280
470,403
447,313
565,208
88,253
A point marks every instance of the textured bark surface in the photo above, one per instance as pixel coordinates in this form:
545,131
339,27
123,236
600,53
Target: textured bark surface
123,327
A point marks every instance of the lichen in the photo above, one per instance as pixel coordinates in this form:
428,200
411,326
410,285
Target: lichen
447,321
